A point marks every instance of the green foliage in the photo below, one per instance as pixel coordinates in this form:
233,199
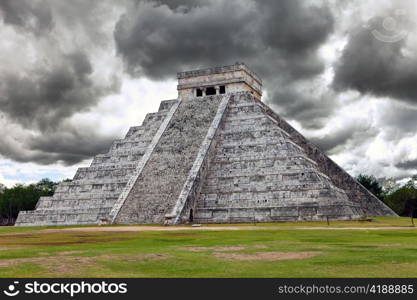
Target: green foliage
404,200
22,197
371,184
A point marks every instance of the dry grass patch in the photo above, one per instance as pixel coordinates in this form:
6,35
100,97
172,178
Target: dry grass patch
200,249
66,263
268,256
222,248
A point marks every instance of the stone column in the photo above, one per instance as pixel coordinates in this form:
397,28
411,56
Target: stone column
204,91
217,89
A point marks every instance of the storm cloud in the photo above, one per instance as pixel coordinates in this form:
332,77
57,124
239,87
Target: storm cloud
49,79
45,97
377,64
32,15
156,40
277,39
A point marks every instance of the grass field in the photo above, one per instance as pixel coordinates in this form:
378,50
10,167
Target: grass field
386,247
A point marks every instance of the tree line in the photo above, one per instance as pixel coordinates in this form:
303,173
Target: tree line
400,198
22,197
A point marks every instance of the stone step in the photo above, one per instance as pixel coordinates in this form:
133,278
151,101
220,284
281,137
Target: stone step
61,217
102,174
87,195
135,131
165,105
54,203
276,175
97,187
152,118
274,214
261,187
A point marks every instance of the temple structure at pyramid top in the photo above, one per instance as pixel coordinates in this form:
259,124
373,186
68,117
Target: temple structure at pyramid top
217,81
216,154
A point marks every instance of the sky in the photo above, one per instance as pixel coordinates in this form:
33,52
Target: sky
75,75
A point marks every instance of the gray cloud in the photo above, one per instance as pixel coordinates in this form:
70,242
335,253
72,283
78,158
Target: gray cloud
348,137
32,15
278,39
376,67
47,96
66,144
156,39
399,120
56,82
42,101
334,139
407,164
71,145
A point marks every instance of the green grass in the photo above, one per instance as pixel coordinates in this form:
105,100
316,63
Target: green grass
34,252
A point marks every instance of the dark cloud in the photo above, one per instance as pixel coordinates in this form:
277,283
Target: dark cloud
398,120
334,139
32,15
407,164
158,38
156,41
56,80
71,145
311,108
348,137
42,101
278,39
374,65
66,144
46,96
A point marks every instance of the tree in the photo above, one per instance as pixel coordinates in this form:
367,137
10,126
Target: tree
15,199
371,184
23,197
46,186
404,200
2,188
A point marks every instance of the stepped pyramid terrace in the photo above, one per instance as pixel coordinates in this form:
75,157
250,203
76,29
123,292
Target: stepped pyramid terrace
216,154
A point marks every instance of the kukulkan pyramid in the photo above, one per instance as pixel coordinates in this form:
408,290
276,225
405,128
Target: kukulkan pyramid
217,154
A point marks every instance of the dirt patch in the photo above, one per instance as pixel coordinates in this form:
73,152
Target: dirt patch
75,242
260,247
65,263
54,264
267,256
10,248
221,249
64,253
134,257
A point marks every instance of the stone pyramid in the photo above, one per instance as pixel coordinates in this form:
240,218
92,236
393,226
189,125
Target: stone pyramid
217,154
